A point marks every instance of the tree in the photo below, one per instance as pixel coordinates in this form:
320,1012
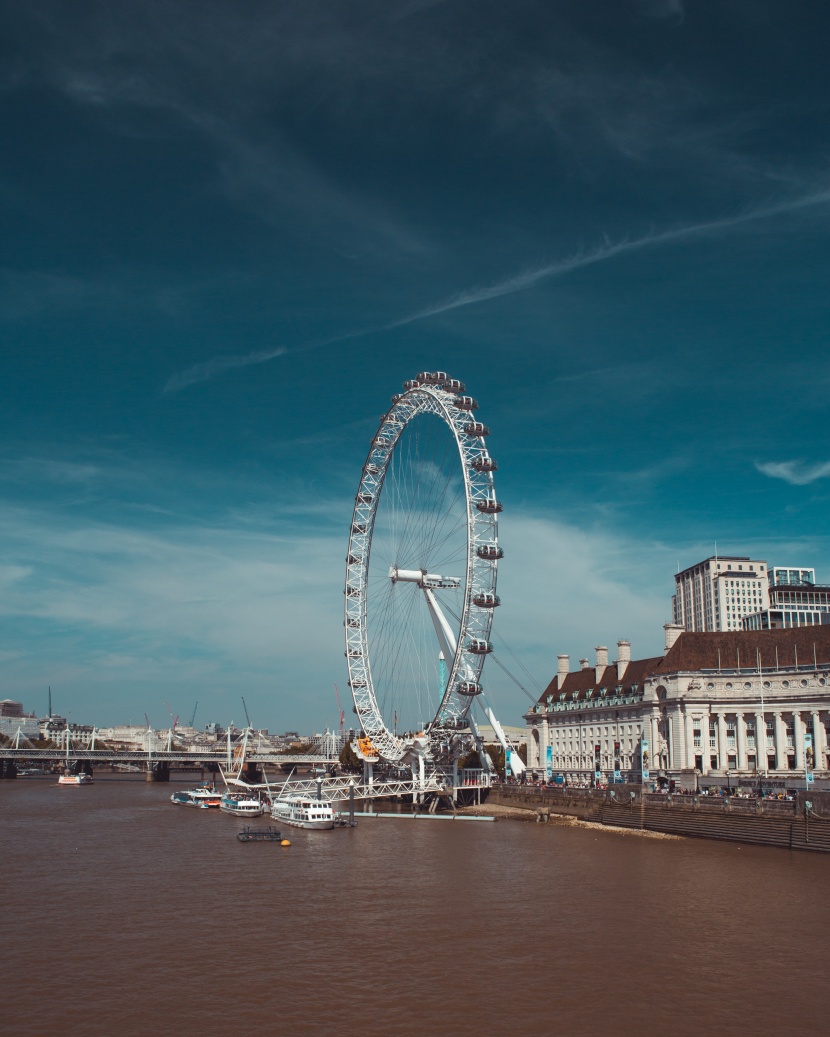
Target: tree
349,760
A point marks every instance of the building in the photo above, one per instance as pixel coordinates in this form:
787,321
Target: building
13,719
717,593
725,706
795,600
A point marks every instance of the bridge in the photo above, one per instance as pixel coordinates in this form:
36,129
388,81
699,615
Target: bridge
156,763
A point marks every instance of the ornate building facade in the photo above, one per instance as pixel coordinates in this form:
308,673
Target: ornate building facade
727,706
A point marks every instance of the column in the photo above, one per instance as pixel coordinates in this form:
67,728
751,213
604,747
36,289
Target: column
655,745
798,733
780,742
705,751
761,741
544,742
690,742
819,748
722,750
740,741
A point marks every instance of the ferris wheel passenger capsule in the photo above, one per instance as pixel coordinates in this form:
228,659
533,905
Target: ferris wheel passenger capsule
486,600
453,385
478,646
465,403
468,688
364,498
396,397
491,552
411,383
489,506
484,463
476,428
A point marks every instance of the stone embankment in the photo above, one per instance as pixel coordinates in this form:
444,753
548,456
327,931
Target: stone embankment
799,824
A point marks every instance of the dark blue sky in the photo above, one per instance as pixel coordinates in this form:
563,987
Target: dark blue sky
229,232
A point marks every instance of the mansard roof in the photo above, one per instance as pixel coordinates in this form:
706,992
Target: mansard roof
583,681
718,650
740,649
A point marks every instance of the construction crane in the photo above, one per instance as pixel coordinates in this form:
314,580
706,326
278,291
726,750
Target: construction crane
246,712
174,720
342,714
193,717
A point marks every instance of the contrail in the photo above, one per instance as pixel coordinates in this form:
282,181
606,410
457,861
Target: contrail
515,283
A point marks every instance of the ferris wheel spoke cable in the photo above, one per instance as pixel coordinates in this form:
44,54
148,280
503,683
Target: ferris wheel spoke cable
533,698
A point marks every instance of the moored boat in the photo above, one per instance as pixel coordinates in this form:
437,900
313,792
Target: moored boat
201,796
241,804
261,835
303,812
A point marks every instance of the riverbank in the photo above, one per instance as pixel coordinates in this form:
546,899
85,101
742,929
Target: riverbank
534,815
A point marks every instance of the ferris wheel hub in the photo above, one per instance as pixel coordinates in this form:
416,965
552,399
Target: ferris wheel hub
423,578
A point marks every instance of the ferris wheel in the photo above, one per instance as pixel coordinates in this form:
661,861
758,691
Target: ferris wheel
421,570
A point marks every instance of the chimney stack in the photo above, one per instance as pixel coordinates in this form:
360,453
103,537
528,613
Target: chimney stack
673,631
564,668
602,661
585,664
623,657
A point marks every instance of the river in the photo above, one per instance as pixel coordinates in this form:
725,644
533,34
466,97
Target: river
126,916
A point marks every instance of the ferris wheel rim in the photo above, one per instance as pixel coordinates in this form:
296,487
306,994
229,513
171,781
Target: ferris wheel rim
437,395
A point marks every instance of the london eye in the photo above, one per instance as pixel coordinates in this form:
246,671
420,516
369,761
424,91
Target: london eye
421,570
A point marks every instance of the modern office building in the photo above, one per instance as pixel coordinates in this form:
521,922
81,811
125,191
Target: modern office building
718,707
795,600
718,592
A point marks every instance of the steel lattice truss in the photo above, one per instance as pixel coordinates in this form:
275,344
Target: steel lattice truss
440,396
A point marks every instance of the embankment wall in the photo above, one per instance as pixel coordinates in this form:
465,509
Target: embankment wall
800,824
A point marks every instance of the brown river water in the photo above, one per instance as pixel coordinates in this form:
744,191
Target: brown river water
124,915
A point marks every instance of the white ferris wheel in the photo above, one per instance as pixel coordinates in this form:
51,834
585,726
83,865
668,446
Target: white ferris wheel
421,573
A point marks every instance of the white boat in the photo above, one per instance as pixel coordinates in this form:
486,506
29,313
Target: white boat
75,779
303,812
203,796
241,804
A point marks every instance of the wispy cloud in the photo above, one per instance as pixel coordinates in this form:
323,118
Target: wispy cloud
796,473
217,365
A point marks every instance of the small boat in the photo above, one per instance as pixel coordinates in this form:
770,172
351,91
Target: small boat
303,812
261,835
202,795
75,779
241,804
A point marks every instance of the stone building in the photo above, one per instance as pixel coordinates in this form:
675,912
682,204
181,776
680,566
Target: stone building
727,705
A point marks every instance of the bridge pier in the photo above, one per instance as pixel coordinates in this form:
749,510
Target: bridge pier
252,773
157,772
8,769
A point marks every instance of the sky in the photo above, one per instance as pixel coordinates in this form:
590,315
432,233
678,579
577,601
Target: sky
229,232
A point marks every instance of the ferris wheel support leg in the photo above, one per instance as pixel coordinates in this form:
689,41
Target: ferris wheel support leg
446,638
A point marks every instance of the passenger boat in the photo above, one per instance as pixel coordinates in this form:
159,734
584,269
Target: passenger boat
241,804
303,812
75,779
201,796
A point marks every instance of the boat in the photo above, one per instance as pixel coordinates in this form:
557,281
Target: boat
75,779
241,804
261,835
303,812
201,796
